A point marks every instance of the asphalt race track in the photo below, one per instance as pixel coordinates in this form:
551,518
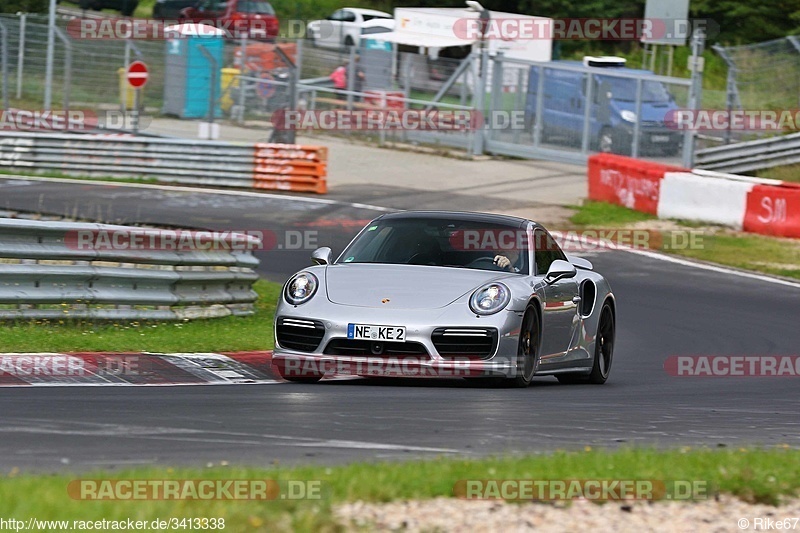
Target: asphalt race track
664,309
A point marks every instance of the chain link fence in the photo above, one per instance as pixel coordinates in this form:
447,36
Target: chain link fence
86,72
556,110
763,75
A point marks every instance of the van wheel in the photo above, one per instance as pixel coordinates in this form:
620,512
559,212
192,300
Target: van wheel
348,41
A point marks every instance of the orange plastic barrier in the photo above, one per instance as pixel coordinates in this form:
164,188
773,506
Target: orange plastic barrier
262,56
774,210
626,181
290,167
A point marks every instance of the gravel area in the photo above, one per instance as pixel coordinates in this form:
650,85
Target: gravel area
449,514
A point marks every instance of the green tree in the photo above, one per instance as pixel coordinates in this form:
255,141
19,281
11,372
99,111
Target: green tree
748,22
24,6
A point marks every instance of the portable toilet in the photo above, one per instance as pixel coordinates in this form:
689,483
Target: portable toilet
194,58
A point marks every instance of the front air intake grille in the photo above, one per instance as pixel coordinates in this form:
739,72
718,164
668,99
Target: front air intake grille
465,342
301,334
364,348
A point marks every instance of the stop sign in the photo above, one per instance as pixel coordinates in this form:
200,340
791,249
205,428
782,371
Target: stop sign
137,74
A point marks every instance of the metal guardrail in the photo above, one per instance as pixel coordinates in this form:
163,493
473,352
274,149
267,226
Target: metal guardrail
260,165
47,272
751,155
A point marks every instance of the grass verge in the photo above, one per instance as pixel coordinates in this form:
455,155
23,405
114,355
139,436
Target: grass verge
770,255
783,173
60,175
219,334
754,475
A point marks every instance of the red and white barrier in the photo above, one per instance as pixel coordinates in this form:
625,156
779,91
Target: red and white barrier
768,207
625,181
774,210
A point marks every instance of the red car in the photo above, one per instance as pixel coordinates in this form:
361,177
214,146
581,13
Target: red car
254,19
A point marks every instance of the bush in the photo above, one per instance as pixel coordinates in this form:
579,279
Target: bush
25,6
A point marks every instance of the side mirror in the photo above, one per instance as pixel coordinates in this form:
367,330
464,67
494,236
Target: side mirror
560,269
321,256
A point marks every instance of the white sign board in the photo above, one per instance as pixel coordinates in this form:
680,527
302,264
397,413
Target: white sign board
669,20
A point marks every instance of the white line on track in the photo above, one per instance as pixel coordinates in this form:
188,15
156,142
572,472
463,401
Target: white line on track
676,260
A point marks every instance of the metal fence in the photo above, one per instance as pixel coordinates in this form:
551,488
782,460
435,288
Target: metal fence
567,112
86,72
47,273
763,75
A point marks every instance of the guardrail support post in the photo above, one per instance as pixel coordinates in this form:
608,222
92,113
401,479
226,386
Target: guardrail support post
479,105
496,100
587,113
637,126
67,67
23,18
4,62
242,75
695,94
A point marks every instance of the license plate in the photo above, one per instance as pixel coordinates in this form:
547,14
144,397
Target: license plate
372,332
660,138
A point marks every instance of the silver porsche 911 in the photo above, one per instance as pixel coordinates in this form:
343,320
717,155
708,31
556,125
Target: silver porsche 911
445,294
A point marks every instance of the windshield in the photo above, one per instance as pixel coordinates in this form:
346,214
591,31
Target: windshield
443,243
624,89
259,7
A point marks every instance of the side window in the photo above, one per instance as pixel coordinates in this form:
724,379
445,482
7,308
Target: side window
348,16
337,15
546,251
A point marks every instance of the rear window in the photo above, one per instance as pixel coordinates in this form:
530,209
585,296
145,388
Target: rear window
373,17
259,7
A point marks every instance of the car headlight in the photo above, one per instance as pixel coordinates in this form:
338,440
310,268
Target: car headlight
301,288
490,299
628,116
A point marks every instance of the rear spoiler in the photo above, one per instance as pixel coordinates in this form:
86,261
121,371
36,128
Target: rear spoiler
580,262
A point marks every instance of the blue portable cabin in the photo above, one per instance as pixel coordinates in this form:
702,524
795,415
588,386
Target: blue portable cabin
187,84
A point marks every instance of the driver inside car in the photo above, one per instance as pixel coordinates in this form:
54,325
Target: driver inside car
508,260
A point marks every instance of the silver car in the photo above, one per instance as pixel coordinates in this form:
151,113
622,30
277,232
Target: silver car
446,294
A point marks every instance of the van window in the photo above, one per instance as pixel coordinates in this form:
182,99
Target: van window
624,90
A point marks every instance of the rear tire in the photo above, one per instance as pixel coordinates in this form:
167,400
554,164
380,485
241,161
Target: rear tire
603,352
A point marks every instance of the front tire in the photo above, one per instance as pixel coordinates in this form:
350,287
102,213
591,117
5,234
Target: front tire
527,351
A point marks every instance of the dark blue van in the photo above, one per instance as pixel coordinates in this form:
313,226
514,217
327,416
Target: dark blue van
613,113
